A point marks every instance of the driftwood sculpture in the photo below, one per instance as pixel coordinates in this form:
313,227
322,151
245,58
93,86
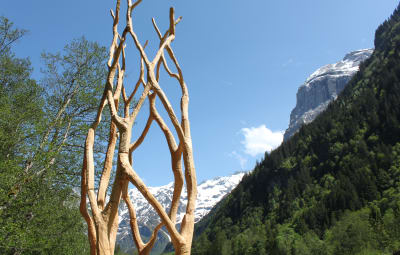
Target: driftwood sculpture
102,218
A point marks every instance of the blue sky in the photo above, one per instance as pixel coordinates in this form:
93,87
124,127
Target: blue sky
242,60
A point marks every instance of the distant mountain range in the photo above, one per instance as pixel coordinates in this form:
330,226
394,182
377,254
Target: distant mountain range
321,87
209,193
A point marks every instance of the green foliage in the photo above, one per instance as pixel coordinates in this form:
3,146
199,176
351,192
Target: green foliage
334,187
41,141
351,234
9,35
74,82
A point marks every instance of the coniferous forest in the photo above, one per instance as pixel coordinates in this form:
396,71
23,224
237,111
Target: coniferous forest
334,187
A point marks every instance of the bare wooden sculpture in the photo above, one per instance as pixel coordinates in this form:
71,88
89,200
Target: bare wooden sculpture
102,219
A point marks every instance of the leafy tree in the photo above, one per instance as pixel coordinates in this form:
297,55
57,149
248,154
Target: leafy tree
8,35
352,234
73,80
40,127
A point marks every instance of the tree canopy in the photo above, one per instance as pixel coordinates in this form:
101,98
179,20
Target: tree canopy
41,138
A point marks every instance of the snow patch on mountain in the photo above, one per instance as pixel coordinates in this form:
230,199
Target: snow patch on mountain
323,86
210,192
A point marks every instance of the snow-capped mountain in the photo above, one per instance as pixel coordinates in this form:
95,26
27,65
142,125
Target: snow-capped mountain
209,193
322,87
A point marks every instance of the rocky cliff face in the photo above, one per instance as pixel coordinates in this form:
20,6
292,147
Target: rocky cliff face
322,87
209,193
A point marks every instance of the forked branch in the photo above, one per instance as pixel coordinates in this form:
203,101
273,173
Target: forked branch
103,218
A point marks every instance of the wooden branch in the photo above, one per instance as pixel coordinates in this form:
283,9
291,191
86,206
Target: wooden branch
124,96
174,75
115,33
123,58
141,77
132,218
171,21
90,176
113,63
156,28
140,81
149,245
168,108
167,133
126,102
129,28
88,164
140,102
120,79
190,174
178,183
105,227
176,161
139,141
145,44
135,180
166,42
132,7
179,77
84,211
111,210
109,86
105,176
185,136
112,141
87,182
176,155
170,38
189,165
158,69
112,14
143,248
172,56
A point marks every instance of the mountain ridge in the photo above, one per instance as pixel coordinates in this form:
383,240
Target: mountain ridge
321,87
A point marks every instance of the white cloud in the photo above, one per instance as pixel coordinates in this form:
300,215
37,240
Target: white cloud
258,140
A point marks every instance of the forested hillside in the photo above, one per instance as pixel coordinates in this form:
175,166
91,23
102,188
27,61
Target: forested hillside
41,141
333,188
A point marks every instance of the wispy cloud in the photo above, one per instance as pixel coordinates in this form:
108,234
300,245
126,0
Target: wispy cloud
288,62
258,140
242,160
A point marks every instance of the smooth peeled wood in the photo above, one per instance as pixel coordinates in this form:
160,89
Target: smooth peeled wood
102,218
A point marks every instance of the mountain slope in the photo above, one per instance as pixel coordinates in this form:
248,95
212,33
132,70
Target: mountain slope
334,187
321,87
209,193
